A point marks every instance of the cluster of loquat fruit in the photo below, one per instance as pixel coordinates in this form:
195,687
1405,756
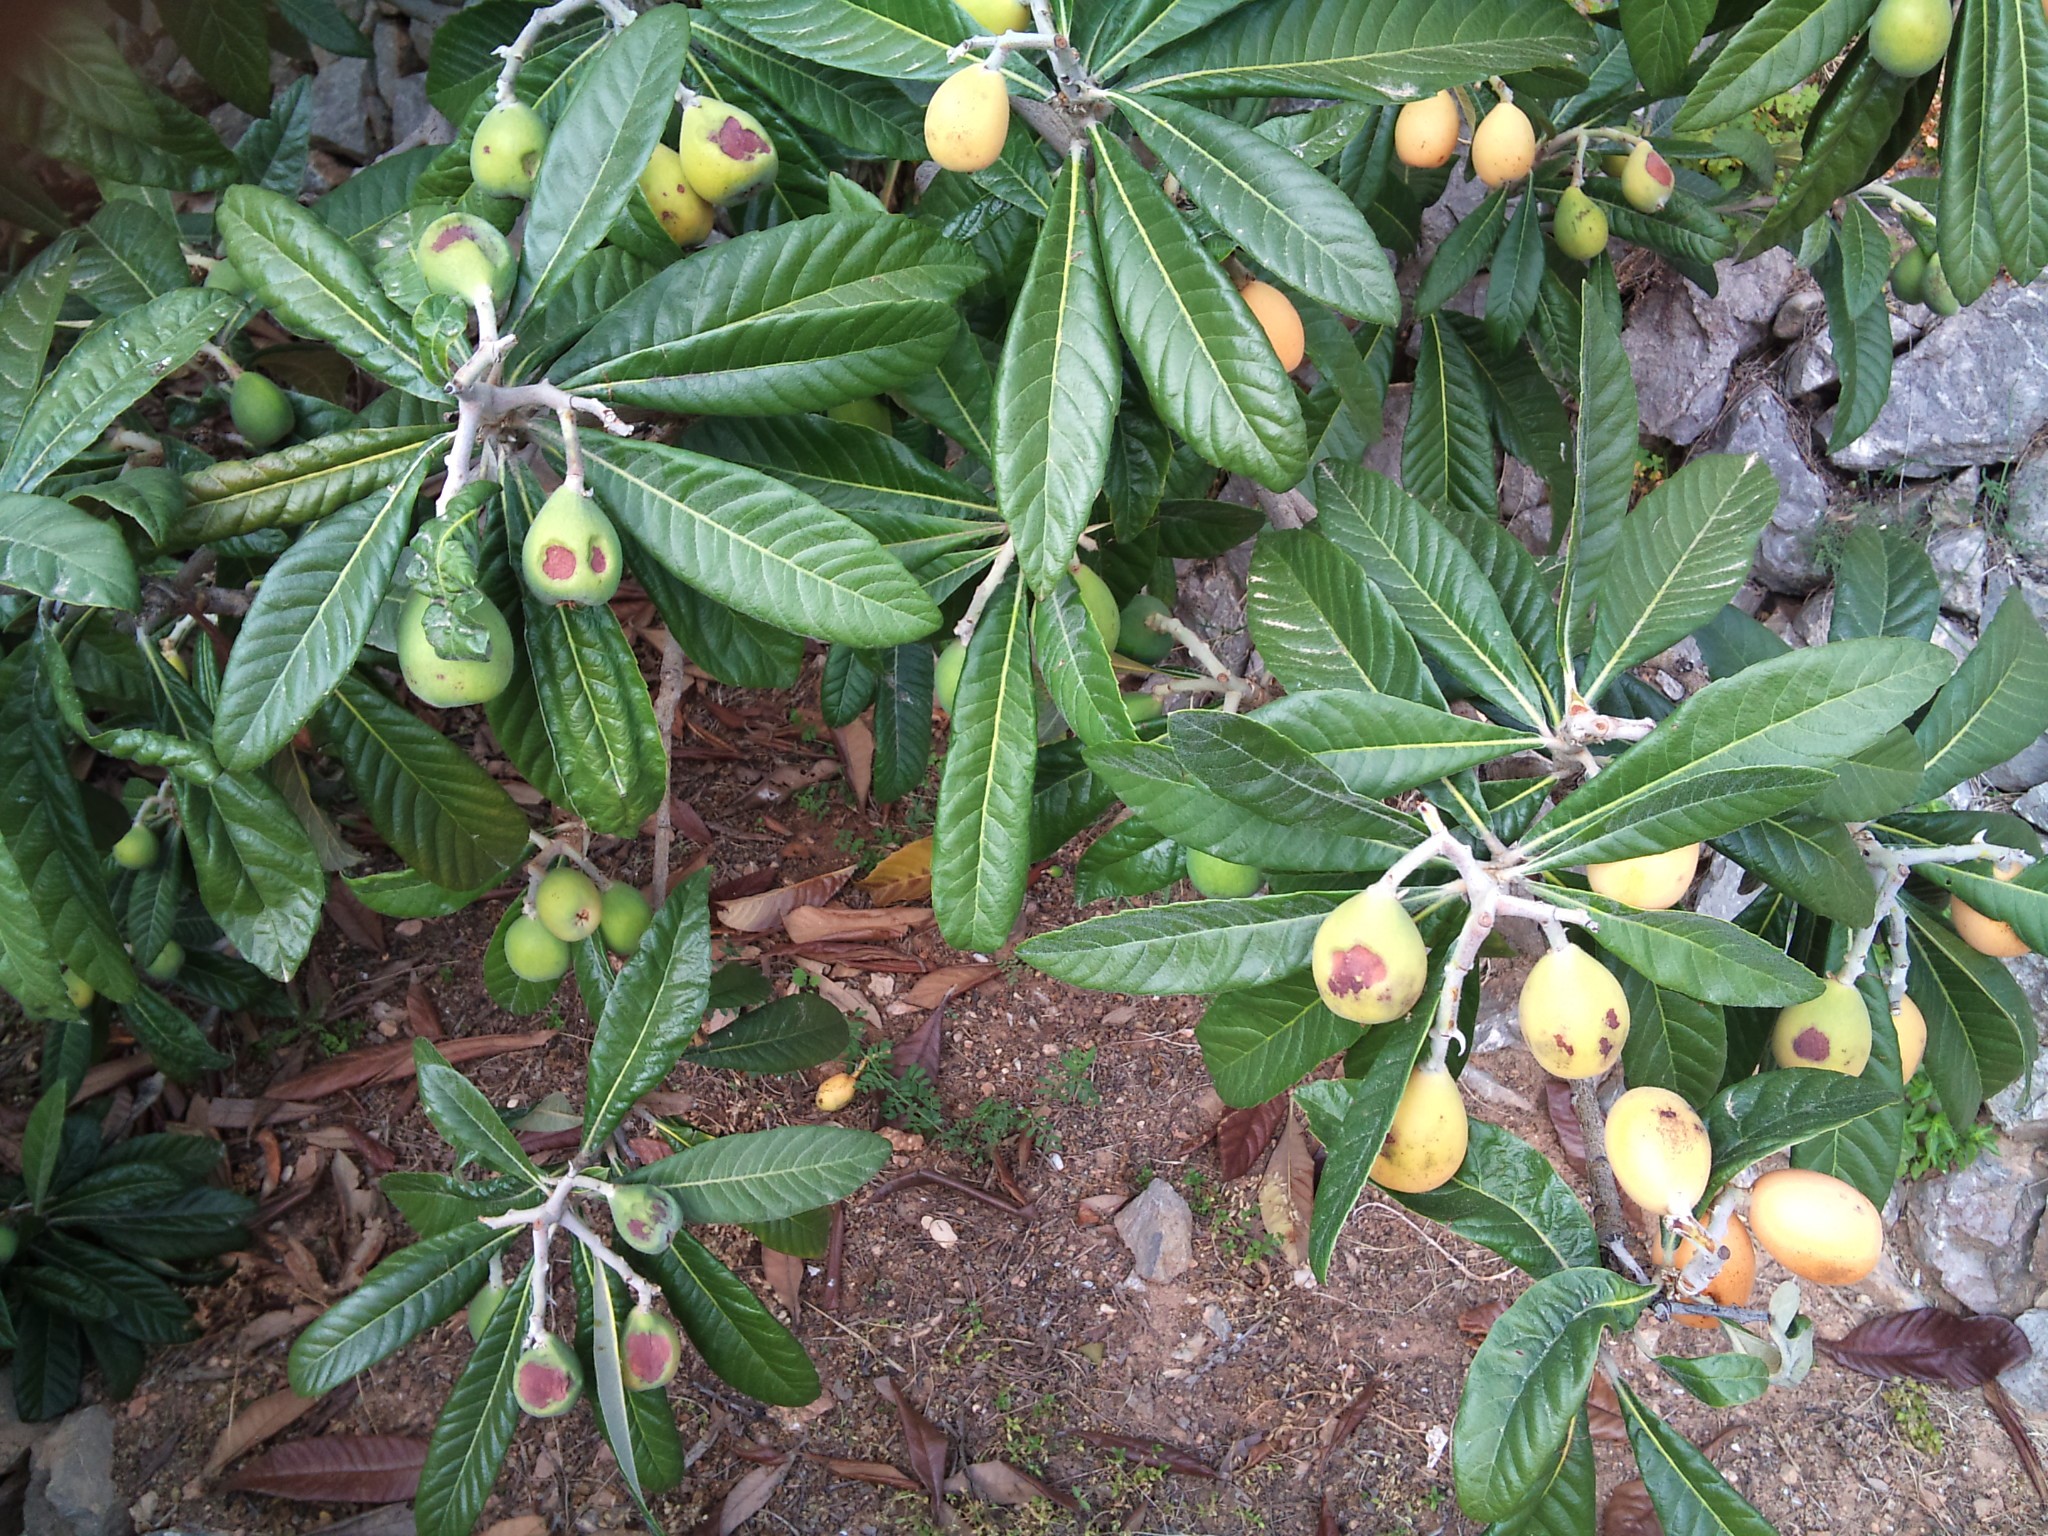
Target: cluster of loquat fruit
1371,966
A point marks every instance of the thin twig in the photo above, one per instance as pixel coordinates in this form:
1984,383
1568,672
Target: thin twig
1608,1222
668,698
947,1181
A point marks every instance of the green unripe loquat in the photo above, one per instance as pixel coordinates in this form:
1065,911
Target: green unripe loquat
725,153
260,411
168,962
1220,879
1579,225
1101,606
533,953
571,551
649,1350
1138,639
445,682
137,848
647,1218
946,673
1910,37
567,903
462,255
867,412
1909,276
504,156
624,918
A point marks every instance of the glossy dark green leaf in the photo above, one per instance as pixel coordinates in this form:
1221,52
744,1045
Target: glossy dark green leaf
1780,45
1057,390
112,366
257,871
1775,1110
1680,556
1865,1152
308,277
298,484
752,542
903,721
1996,703
766,1175
400,1299
1674,1041
1528,1383
1690,1497
795,318
1698,956
1290,220
473,1431
1812,860
1205,360
1884,585
1979,998
1431,581
1261,1041
869,116
466,1119
787,1035
1256,766
1074,662
598,147
1320,624
980,848
1852,121
53,550
737,1336
1447,449
1724,755
653,1011
1506,1197
446,817
1350,1116
1364,50
1203,946
174,1042
225,42
1662,36
310,619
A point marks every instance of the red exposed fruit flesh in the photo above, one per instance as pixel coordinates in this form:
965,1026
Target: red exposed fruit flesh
1659,169
1355,970
1811,1045
558,562
597,561
543,1384
736,141
647,1356
454,234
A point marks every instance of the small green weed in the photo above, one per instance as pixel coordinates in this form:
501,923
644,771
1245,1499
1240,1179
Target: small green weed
1912,1417
1933,1145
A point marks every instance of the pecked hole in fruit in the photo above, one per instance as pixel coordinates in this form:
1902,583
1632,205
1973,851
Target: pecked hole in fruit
558,562
737,141
1356,969
597,560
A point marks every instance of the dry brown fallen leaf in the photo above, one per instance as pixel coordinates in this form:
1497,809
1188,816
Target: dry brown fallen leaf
255,1423
393,1063
764,912
811,925
518,1525
746,1498
905,875
877,1472
785,1274
856,743
358,1469
1287,1191
927,1445
934,987
997,1482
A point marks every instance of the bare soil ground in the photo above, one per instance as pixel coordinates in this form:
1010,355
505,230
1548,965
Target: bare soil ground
1012,1338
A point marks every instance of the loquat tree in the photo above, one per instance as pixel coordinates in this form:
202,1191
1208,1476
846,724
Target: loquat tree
934,334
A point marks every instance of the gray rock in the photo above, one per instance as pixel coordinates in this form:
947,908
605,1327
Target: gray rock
1974,1230
1959,556
71,1480
1384,456
346,111
1801,315
2027,1383
2034,806
1974,390
412,113
2005,579
2026,509
1682,345
1810,365
1760,423
1159,1230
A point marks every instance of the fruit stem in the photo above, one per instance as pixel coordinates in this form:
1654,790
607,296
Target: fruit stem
1228,683
1889,867
1607,1219
601,1251
515,53
1885,192
1006,556
220,360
